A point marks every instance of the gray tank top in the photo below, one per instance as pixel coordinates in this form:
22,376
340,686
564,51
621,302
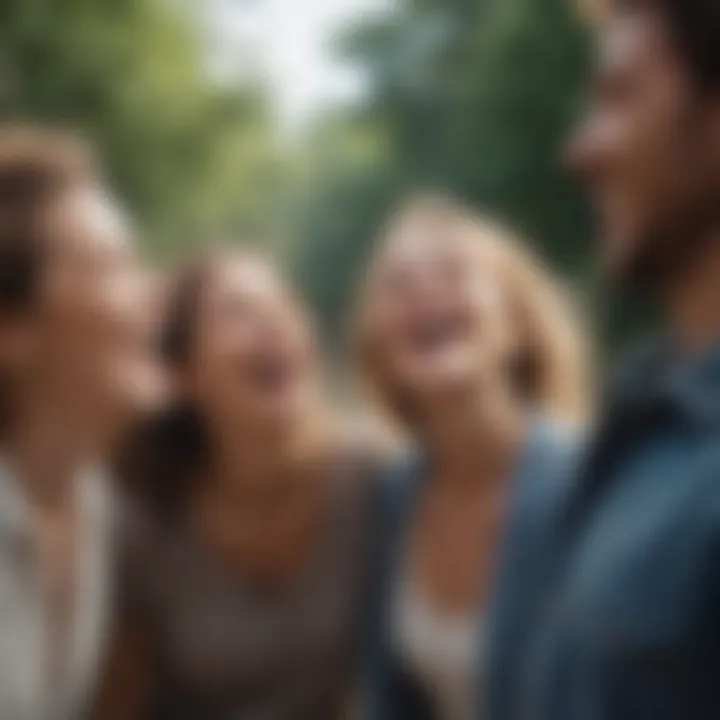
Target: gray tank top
225,652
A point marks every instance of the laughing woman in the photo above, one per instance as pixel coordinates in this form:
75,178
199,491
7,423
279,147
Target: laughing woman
468,343
247,552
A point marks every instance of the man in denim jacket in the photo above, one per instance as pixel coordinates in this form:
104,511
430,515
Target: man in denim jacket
629,627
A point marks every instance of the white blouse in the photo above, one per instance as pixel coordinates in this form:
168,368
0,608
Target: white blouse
440,650
26,692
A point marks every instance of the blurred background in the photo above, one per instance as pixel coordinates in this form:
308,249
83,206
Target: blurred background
300,123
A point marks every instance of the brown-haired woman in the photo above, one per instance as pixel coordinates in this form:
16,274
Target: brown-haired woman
469,344
247,560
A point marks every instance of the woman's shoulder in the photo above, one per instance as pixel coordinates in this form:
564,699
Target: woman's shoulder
378,476
550,465
556,440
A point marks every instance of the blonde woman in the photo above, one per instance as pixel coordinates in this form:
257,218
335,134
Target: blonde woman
246,563
470,346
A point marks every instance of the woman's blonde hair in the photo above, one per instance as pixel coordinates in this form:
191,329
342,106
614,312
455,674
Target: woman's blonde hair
552,373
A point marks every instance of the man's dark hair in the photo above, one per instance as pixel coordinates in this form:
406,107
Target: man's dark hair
695,25
36,167
695,29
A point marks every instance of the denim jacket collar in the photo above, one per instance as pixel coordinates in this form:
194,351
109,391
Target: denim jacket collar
658,376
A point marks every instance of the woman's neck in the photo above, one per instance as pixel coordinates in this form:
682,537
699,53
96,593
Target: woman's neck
476,436
248,463
260,509
47,448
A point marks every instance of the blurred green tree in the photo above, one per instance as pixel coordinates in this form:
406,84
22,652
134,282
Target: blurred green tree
190,157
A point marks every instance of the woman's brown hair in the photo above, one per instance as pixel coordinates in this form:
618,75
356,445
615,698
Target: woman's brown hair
551,372
37,166
162,455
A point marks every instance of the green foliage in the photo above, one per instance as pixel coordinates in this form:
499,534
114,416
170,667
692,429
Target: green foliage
130,74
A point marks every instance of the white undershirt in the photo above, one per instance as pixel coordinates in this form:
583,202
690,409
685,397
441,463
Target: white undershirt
440,650
25,650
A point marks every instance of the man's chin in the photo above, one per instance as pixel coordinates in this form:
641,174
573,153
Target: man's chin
649,259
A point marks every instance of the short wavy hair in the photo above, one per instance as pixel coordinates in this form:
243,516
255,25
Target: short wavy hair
37,166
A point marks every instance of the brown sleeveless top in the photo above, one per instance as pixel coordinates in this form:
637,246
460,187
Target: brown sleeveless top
222,650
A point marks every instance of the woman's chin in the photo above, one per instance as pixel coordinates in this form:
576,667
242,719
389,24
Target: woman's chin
439,387
277,413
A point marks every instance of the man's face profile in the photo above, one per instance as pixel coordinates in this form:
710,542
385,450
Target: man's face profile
647,149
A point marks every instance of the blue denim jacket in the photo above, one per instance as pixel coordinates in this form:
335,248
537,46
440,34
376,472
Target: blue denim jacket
631,625
539,483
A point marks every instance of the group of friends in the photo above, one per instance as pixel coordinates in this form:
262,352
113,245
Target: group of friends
189,531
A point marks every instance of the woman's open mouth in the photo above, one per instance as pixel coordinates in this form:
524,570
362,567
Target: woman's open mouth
433,334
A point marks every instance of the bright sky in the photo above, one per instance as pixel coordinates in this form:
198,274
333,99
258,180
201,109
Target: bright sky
288,42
